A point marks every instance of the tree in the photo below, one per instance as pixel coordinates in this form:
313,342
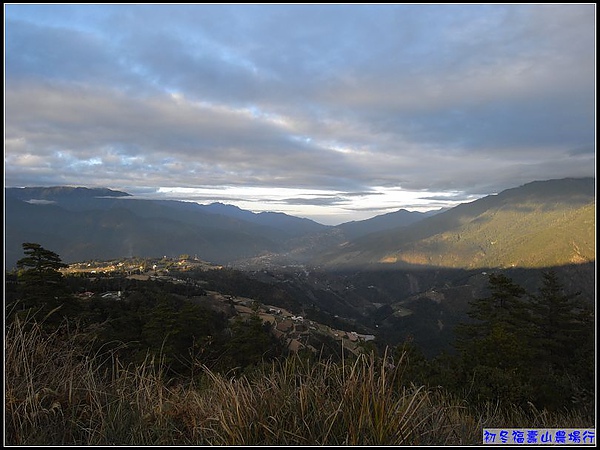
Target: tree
180,331
525,347
495,351
563,334
40,265
41,286
249,344
559,319
503,311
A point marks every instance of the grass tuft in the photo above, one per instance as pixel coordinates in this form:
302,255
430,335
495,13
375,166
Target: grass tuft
57,394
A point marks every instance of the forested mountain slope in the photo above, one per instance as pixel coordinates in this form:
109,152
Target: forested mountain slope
540,224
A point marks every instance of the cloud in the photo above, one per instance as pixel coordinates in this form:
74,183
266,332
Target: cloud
469,99
317,201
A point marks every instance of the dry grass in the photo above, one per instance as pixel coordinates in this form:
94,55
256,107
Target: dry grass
56,394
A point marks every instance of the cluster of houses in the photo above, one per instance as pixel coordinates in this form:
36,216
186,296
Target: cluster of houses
108,295
137,266
295,330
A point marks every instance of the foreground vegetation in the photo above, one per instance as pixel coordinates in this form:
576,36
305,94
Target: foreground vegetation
57,394
156,369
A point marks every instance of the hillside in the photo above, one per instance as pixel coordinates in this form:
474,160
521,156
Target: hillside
544,223
540,224
400,218
83,223
121,231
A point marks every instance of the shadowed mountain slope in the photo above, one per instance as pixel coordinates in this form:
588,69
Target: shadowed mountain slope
81,224
97,223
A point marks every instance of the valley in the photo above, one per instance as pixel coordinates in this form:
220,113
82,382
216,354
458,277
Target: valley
403,275
392,306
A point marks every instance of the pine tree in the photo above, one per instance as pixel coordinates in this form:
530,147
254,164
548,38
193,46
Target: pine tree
41,286
559,320
40,267
563,332
494,350
503,311
527,348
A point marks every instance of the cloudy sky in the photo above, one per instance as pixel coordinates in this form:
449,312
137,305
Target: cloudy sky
333,112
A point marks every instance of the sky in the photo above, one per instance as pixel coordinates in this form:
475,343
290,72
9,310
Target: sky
332,112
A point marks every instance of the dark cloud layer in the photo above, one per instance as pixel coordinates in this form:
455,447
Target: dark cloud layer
446,101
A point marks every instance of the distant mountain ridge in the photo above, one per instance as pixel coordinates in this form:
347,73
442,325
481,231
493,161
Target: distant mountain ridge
83,223
57,193
295,225
533,224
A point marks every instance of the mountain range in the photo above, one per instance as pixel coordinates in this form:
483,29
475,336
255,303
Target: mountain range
543,223
540,224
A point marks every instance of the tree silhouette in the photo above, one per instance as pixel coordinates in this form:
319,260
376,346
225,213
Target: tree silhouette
41,286
494,348
563,336
504,311
524,347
